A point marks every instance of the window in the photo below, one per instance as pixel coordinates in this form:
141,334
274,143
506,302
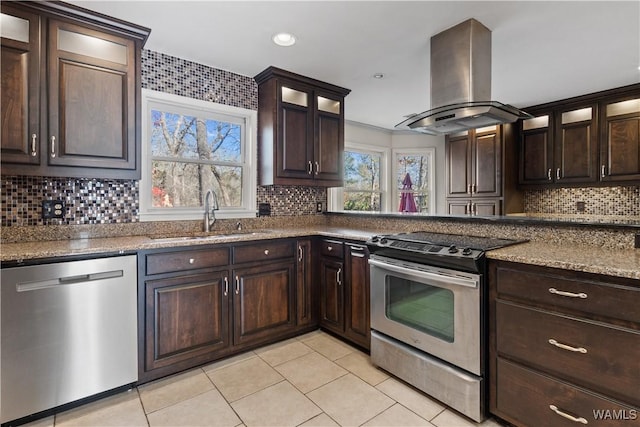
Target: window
191,146
364,187
418,166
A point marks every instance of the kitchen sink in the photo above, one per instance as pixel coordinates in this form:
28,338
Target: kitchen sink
214,236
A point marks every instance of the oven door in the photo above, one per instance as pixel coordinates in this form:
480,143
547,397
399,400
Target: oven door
434,309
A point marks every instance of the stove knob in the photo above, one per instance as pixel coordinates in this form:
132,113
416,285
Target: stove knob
453,249
383,241
466,251
375,239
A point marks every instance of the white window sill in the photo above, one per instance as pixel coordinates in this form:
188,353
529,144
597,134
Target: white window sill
194,215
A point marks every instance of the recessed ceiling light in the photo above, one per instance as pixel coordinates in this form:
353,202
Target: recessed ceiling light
284,39
378,76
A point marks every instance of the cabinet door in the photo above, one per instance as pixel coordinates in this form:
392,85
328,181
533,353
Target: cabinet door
307,313
357,318
536,151
576,145
92,98
329,139
459,206
295,132
458,165
20,61
486,152
331,294
486,207
620,143
263,302
185,317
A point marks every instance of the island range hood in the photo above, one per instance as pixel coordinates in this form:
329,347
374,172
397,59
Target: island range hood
461,84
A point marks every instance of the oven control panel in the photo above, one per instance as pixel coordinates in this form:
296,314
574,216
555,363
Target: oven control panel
425,248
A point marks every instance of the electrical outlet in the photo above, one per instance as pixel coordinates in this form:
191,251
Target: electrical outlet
319,207
637,245
581,206
53,209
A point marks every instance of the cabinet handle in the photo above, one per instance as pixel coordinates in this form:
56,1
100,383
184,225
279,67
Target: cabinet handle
474,189
310,168
266,251
53,146
191,260
317,168
237,285
603,172
300,253
329,248
555,409
34,148
226,286
558,174
469,189
357,251
338,274
467,208
567,294
549,174
474,209
567,347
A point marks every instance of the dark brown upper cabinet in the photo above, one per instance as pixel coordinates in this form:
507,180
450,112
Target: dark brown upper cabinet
71,89
620,140
589,140
301,130
480,170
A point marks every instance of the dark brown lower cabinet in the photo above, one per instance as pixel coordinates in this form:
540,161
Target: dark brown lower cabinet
564,347
263,302
198,304
186,317
344,289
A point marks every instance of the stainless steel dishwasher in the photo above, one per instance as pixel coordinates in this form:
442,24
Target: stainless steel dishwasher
68,331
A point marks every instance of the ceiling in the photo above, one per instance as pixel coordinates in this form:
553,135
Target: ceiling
542,50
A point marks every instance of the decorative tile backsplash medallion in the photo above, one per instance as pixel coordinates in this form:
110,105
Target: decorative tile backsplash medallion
177,76
597,201
88,201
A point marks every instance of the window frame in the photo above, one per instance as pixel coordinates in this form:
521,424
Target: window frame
395,192
157,100
336,195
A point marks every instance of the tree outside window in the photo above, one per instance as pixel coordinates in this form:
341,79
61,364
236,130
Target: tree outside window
192,154
361,190
418,164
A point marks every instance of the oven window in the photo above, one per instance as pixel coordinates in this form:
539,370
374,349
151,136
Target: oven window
420,306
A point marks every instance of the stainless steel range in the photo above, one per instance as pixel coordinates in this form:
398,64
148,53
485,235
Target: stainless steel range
428,314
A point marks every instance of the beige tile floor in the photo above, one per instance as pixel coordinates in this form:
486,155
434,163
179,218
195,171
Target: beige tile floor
311,380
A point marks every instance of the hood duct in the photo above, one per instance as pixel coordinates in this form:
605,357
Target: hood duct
461,84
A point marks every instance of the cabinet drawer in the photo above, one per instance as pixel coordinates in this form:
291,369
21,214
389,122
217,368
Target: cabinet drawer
186,260
597,297
593,355
263,251
528,398
332,248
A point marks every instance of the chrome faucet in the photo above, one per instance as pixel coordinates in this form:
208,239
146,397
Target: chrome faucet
210,210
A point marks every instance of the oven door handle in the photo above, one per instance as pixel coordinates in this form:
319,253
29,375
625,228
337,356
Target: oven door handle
449,279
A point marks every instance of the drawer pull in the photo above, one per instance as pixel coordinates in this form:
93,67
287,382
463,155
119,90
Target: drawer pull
568,294
329,248
266,251
581,420
191,260
567,347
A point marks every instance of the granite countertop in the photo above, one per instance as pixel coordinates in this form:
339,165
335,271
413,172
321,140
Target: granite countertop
591,259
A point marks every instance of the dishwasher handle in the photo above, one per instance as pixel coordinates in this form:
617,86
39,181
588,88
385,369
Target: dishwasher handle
67,280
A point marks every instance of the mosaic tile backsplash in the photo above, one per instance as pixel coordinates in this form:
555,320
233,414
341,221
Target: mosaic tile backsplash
623,201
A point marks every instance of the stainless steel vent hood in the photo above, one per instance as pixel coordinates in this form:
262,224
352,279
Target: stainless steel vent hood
461,84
